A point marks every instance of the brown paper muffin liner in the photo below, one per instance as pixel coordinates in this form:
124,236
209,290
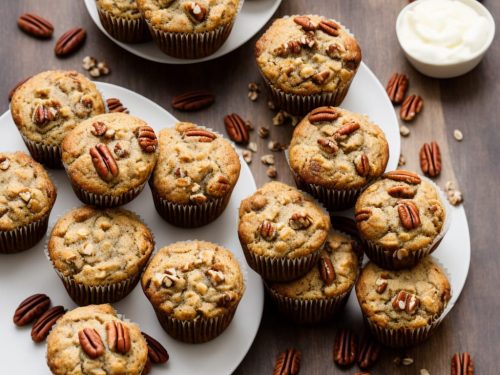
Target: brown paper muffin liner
124,30
24,237
50,156
105,200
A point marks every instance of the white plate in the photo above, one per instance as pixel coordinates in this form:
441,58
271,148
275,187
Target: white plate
253,15
30,272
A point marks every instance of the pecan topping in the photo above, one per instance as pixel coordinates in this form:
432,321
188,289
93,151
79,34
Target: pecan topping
292,47
329,145
369,352
98,128
115,105
118,337
362,165
329,27
224,300
156,352
430,159
321,77
4,163
408,214
288,362
147,139
347,129
30,309
404,176
308,40
305,23
121,151
104,163
44,114
326,270
462,364
19,84
299,221
195,11
411,106
35,25
405,301
362,215
44,324
323,114
91,342
204,135
267,230
198,198
345,347
193,100
70,41
396,87
236,129
381,284
402,191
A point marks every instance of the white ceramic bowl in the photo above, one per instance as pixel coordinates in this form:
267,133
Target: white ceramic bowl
438,69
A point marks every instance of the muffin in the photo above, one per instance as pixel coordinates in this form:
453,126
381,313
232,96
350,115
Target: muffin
335,153
307,62
320,293
281,232
95,340
123,20
194,288
403,308
99,254
48,106
189,29
401,219
109,158
195,175
27,196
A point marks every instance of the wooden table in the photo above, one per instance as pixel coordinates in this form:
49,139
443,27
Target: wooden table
468,103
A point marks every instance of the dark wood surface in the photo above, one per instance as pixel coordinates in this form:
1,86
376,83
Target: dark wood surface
469,103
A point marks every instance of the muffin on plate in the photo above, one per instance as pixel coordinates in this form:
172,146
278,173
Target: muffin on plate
281,232
27,196
320,293
335,153
307,61
401,219
95,340
123,20
403,308
109,158
99,254
48,106
195,175
189,29
194,288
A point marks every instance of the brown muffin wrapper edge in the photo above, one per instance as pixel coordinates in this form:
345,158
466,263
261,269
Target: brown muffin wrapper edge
124,30
50,156
24,237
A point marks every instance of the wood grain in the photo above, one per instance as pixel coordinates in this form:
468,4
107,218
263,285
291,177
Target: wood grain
468,103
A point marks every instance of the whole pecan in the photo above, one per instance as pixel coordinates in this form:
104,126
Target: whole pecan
288,362
369,352
147,139
362,215
193,100
430,159
19,84
115,105
45,322
462,364
329,145
322,114
322,77
347,129
329,27
402,191
91,342
202,134
299,220
70,41
118,337
406,301
35,25
404,176
156,352
326,270
30,309
345,347
98,128
104,162
408,214
305,23
362,165
267,230
396,87
236,129
196,11
411,106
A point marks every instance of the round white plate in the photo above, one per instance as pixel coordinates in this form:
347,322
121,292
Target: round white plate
30,272
253,15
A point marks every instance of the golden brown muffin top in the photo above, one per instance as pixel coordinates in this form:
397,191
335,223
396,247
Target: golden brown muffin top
410,298
193,279
339,149
27,193
120,8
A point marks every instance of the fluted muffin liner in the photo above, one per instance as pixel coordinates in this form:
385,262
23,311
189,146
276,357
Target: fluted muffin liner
106,200
24,237
50,156
123,29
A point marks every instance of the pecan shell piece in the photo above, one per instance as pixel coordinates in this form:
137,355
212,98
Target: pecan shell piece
345,347
462,364
156,352
104,162
44,324
408,214
35,25
430,159
305,23
411,106
91,342
326,270
193,100
147,139
329,27
404,176
118,337
288,362
30,309
70,41
396,87
405,301
323,114
236,129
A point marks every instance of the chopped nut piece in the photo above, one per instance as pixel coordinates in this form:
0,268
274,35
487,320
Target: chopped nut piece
404,130
216,277
198,198
424,372
402,160
272,172
271,105
25,196
279,118
103,67
252,146
263,132
247,156
253,95
252,86
89,62
407,361
457,134
94,72
267,159
274,146
249,125
109,134
88,249
455,196
4,164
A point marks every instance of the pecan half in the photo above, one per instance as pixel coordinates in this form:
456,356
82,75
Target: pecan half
345,347
430,159
347,129
30,309
70,41
44,114
411,106
195,11
396,87
369,352
98,128
45,322
288,362
326,270
406,301
202,134
292,47
19,84
35,25
404,176
193,100
329,145
91,342
156,352
322,77
462,364
118,337
115,105
362,215
381,284
267,230
402,191
236,129
408,214
104,162
305,23
362,165
323,114
299,221
329,27
147,139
